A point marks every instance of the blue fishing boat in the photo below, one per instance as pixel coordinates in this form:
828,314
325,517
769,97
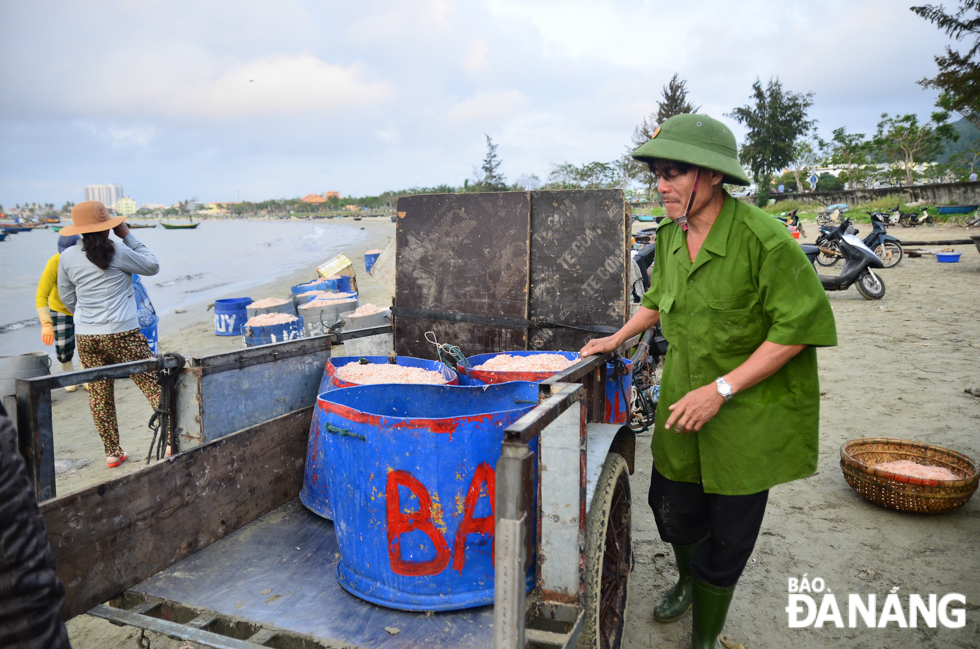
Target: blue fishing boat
3,235
956,209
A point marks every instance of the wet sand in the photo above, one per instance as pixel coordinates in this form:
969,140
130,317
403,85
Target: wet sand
900,370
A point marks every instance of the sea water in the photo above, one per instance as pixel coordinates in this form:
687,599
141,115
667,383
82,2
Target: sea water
218,259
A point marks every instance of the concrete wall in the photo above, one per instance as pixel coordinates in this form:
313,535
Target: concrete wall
939,193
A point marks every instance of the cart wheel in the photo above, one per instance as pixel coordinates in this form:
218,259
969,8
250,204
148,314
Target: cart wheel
608,558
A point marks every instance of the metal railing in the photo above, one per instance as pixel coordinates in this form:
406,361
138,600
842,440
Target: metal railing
33,411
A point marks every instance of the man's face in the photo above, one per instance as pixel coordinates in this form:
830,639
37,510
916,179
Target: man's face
675,188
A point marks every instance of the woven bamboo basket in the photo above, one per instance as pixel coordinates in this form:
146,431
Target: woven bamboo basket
905,493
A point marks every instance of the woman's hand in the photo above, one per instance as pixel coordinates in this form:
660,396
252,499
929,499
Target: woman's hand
121,230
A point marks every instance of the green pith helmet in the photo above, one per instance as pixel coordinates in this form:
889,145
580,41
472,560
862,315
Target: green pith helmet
697,140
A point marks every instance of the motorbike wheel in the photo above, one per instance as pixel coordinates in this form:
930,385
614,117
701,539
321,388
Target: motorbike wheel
870,286
931,222
799,226
824,259
905,222
890,253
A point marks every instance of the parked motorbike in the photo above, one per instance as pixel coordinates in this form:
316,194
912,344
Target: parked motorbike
828,240
831,213
912,219
792,219
859,262
888,248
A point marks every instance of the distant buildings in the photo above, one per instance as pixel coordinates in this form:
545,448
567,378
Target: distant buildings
153,206
126,206
314,199
109,195
331,194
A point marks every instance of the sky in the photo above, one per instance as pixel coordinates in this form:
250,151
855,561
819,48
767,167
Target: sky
251,100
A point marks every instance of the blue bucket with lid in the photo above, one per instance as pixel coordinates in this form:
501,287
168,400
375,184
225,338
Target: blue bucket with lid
230,315
416,466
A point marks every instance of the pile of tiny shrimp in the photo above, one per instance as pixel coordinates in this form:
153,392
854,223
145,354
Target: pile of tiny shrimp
315,293
267,302
916,470
533,363
266,319
325,302
387,373
367,309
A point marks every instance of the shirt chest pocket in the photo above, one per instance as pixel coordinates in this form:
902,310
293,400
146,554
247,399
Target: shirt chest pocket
737,324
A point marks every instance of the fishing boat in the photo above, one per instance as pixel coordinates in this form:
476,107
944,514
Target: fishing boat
143,225
956,209
181,226
57,228
14,229
3,236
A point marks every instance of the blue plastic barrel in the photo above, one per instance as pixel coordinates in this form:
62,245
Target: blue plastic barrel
318,284
278,333
369,259
229,315
618,388
343,283
491,376
315,494
416,466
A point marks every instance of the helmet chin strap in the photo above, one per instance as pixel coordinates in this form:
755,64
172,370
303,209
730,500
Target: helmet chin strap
682,220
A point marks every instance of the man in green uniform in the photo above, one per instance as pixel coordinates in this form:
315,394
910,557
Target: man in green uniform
743,311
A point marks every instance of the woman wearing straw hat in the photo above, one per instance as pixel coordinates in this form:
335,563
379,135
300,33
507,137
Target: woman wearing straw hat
743,312
95,281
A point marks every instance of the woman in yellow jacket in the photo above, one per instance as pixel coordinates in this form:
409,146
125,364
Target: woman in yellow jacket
57,324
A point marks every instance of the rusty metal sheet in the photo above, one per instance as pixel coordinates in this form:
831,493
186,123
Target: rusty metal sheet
579,256
462,253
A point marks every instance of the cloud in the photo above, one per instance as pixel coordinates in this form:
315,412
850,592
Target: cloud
476,58
490,106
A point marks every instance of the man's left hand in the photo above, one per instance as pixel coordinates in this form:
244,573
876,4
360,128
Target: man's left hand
695,409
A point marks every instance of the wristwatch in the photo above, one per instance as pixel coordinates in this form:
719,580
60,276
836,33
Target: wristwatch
724,389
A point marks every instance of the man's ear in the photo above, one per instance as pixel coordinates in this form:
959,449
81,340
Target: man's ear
716,177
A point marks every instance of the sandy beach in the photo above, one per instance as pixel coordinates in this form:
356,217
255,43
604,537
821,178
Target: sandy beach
900,370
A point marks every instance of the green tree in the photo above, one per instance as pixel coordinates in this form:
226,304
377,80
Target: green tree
673,101
807,154
958,78
776,120
492,180
66,208
828,182
965,162
906,144
849,152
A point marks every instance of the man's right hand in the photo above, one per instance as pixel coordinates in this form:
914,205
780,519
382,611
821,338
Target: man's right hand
599,346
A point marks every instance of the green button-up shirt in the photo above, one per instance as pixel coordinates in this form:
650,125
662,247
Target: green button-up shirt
749,283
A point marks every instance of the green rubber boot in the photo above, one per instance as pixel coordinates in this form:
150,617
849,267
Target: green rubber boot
710,608
677,600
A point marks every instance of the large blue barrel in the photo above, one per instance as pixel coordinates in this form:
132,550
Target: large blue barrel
416,466
278,333
230,315
343,283
318,284
489,376
315,494
619,385
370,257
